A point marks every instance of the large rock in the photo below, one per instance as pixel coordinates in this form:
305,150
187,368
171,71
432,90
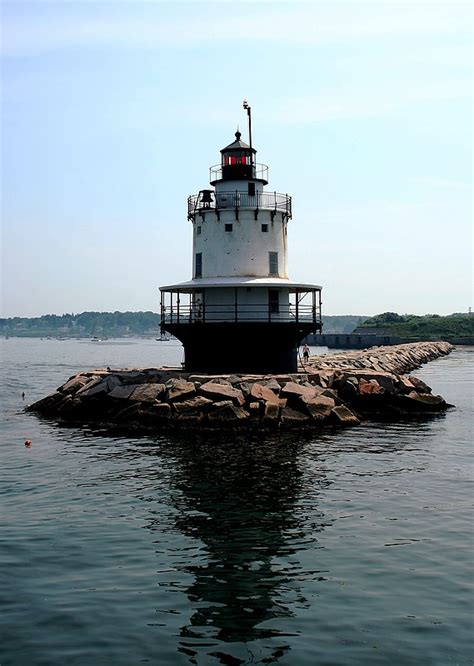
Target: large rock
419,385
292,417
152,414
318,407
405,385
74,384
72,408
263,393
131,377
320,378
123,392
347,388
273,385
222,392
99,385
244,387
48,404
271,411
292,390
227,413
370,387
148,392
344,416
384,379
422,402
198,403
179,389
94,382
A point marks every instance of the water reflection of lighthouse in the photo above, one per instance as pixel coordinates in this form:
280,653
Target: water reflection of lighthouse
240,294
241,504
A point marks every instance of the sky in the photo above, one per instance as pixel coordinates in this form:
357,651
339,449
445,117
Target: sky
113,112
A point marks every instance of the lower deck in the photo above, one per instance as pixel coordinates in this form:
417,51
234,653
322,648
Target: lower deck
242,347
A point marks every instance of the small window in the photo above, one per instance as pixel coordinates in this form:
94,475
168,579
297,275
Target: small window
198,265
251,189
228,227
265,228
273,263
198,230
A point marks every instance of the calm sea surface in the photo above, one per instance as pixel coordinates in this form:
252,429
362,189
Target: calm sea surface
344,547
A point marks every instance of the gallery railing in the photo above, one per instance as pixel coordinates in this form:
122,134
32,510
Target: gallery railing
201,312
211,200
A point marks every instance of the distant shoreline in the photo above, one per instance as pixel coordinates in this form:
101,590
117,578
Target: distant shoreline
121,325
358,331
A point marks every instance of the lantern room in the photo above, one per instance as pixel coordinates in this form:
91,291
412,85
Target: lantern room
237,163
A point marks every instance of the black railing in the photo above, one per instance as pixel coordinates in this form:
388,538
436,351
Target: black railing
259,171
211,200
180,313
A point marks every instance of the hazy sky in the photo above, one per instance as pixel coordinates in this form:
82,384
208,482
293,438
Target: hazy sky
112,113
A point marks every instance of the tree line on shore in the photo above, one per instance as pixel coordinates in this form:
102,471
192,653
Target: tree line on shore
137,324
430,326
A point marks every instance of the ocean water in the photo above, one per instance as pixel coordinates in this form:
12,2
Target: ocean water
343,547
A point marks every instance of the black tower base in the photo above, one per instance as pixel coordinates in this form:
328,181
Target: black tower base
242,347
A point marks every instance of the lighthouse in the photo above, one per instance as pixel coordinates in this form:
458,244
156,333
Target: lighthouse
240,312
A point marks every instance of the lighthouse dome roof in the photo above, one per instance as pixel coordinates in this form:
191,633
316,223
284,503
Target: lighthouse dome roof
238,144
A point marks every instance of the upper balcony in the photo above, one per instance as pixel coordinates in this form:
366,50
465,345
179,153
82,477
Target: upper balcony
207,200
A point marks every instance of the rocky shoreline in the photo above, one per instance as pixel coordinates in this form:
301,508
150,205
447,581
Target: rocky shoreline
340,389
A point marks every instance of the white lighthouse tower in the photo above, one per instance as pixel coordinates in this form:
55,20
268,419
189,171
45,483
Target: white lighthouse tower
240,312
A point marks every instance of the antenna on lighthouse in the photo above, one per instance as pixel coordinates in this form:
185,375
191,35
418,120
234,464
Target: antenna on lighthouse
249,113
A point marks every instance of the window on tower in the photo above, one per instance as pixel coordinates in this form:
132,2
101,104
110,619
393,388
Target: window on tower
273,263
236,159
228,227
198,265
265,228
198,230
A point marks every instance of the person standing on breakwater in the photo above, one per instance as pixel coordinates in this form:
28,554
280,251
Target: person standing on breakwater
306,353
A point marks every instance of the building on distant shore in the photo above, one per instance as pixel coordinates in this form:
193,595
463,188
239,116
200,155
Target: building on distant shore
240,312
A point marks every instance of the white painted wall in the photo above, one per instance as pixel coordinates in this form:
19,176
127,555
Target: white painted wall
244,251
237,185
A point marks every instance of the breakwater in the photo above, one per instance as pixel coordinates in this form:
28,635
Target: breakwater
342,389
